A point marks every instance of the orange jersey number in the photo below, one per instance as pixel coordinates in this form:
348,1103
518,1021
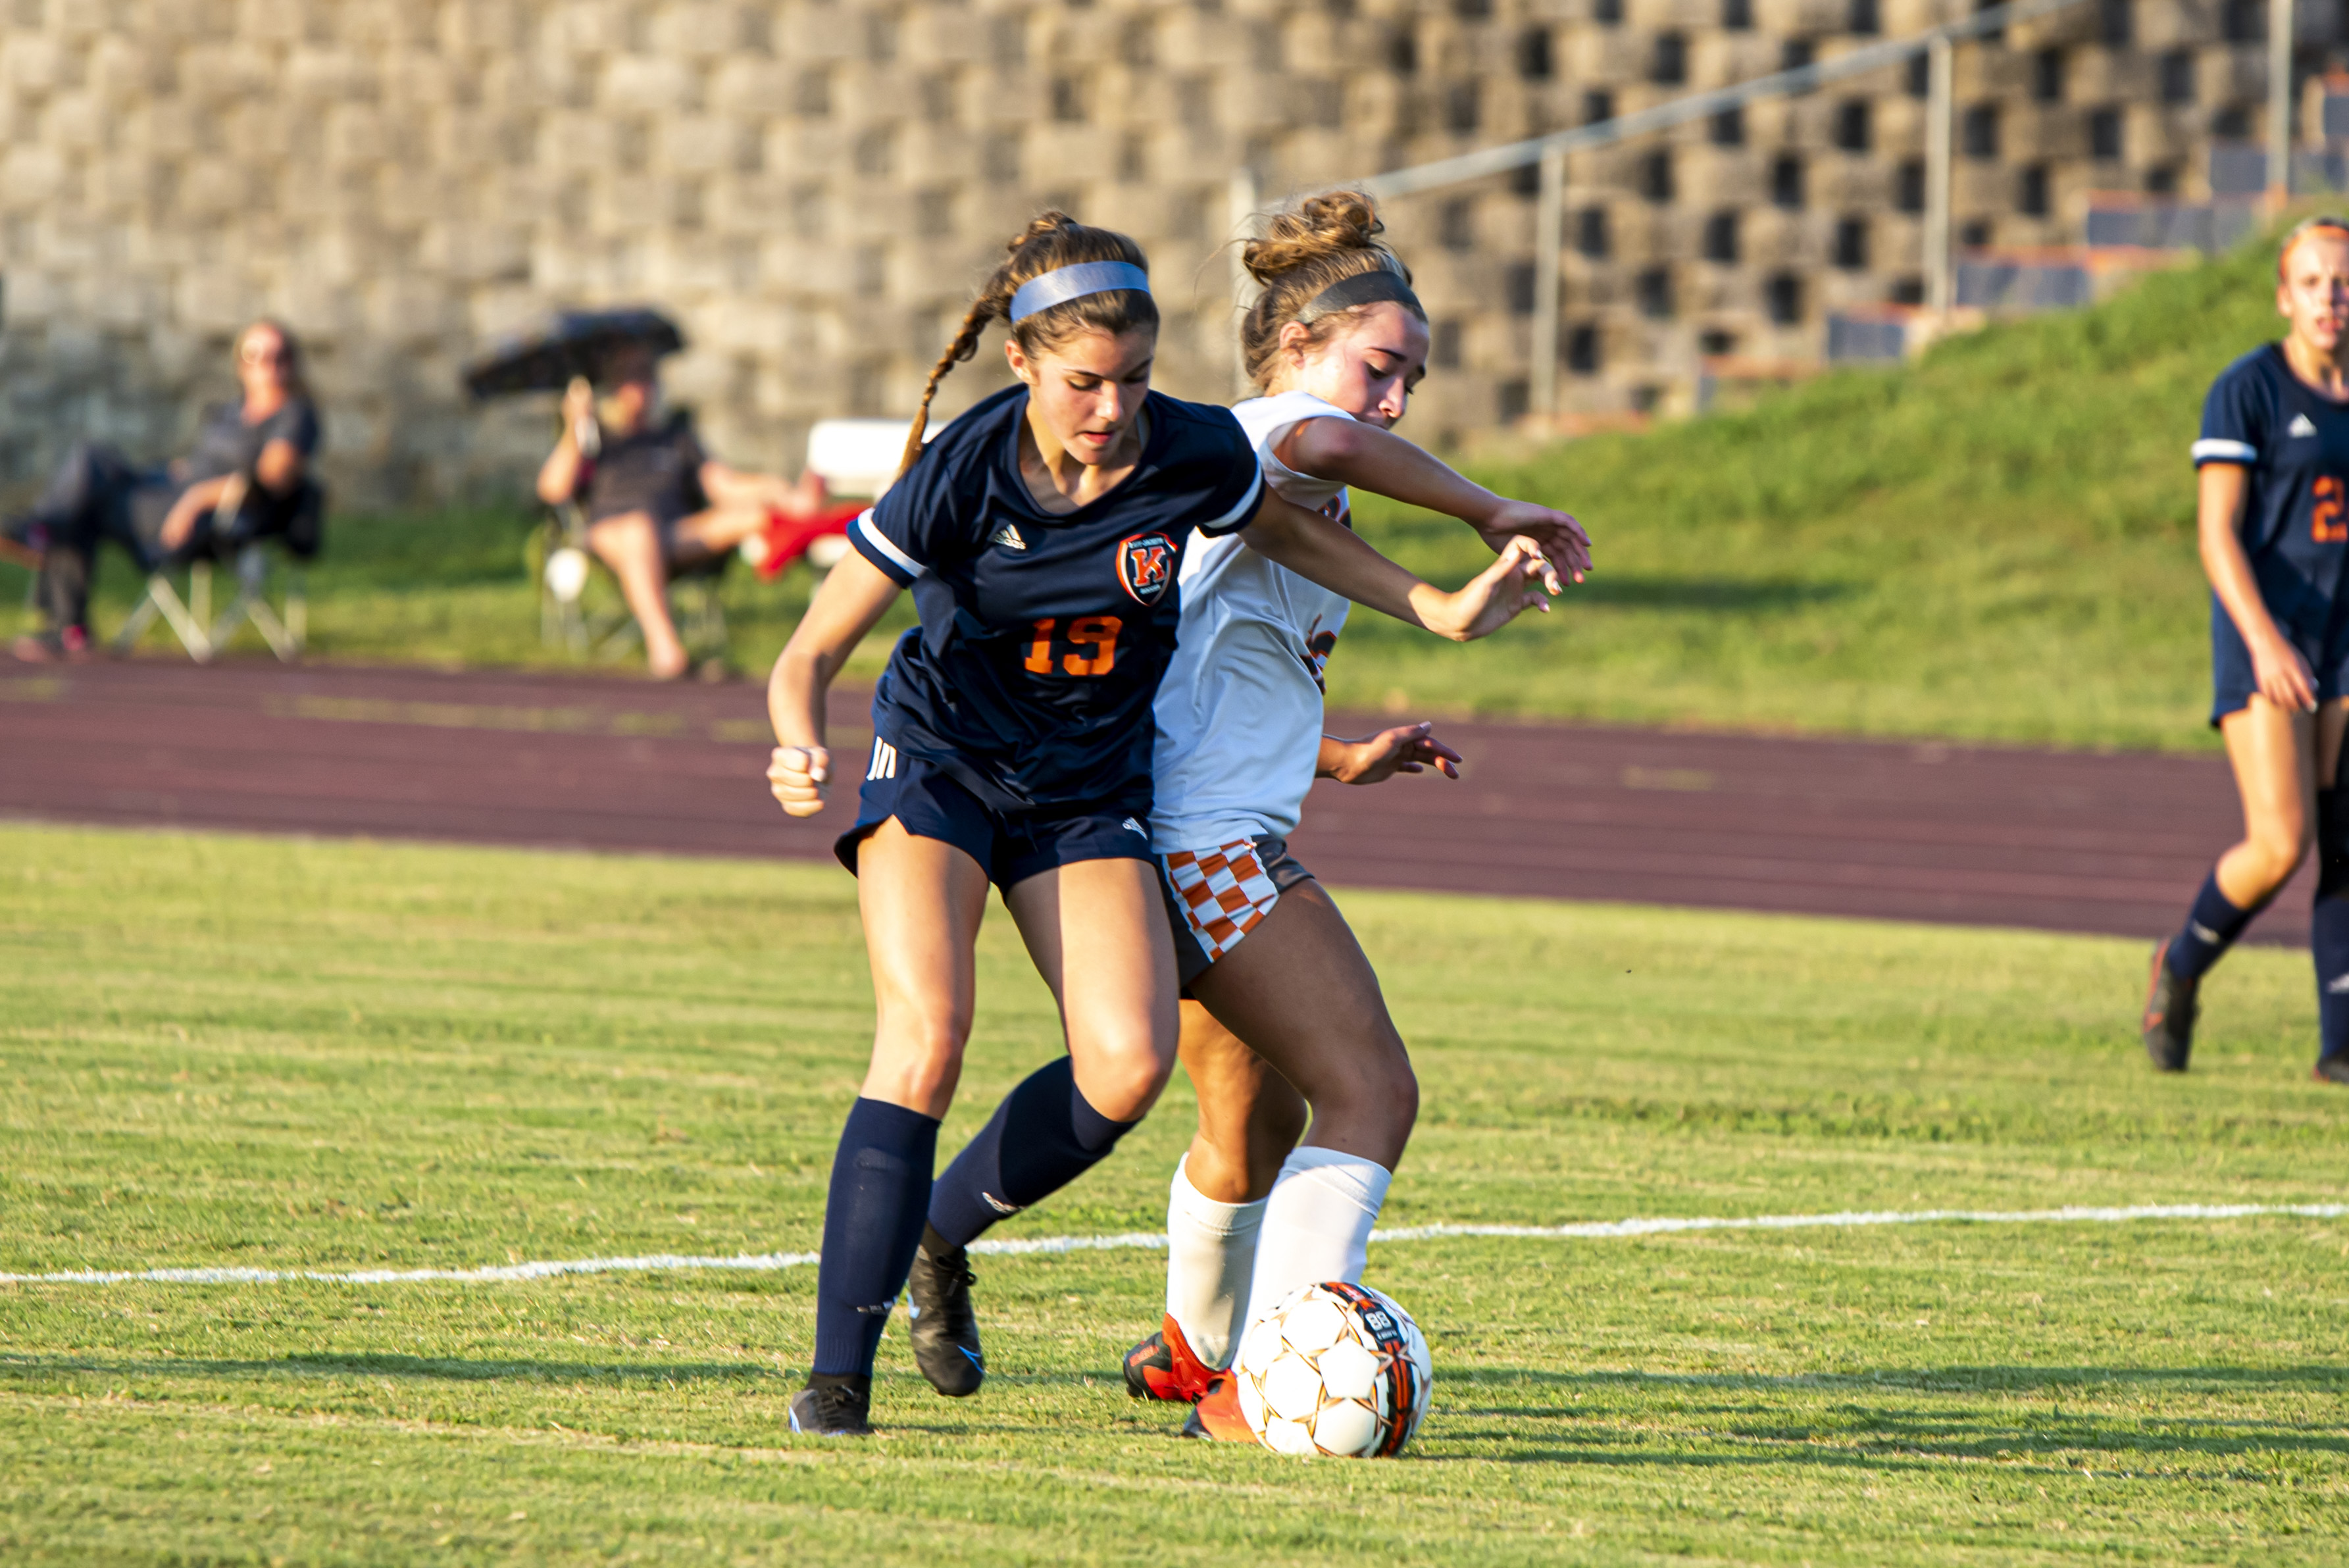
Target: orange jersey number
1097,632
2325,520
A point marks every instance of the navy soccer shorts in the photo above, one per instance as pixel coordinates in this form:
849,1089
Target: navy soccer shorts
930,803
2325,646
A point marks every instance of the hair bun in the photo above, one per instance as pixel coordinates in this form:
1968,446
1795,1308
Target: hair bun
1316,228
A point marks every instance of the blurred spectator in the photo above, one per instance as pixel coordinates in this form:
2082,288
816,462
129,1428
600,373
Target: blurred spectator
656,502
243,479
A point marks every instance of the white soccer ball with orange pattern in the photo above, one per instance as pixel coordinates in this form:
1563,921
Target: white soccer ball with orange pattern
1334,1369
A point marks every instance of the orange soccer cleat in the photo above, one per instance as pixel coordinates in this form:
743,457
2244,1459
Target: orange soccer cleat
1165,1366
1216,1418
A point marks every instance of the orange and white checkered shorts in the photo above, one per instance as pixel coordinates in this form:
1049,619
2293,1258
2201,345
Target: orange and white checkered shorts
1220,894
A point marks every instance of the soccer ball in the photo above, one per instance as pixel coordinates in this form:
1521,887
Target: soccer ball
1334,1369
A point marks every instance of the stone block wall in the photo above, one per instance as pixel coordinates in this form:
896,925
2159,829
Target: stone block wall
815,186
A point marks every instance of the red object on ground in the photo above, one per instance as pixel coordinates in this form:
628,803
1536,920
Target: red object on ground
788,537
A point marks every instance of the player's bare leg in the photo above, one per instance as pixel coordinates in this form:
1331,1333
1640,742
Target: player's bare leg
630,545
1097,931
924,978
1113,973
1249,1119
922,987
1249,1115
1299,990
1301,993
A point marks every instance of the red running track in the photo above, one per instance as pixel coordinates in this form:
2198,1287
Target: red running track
1885,830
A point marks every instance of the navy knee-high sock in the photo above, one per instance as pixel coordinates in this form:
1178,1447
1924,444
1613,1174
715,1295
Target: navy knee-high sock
2328,943
2212,927
1041,1137
2328,923
872,1223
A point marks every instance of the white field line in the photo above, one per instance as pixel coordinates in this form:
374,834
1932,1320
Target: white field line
1596,1229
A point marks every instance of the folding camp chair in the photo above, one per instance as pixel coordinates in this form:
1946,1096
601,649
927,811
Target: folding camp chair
563,565
243,533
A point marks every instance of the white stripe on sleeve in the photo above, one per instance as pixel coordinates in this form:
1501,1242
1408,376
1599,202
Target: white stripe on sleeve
880,541
2225,451
1231,519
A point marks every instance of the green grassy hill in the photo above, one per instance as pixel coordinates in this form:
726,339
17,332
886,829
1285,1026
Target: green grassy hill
1995,543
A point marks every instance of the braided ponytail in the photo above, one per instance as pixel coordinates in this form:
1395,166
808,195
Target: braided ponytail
1050,241
1323,240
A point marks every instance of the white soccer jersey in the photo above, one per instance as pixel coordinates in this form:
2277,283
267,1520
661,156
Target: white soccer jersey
1239,710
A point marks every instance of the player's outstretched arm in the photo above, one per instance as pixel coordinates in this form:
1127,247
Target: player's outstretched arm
1373,759
852,599
1367,458
1334,555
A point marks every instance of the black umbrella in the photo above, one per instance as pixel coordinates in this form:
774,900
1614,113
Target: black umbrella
569,342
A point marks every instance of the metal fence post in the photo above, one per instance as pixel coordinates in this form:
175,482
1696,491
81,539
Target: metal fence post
1940,129
1549,224
2279,102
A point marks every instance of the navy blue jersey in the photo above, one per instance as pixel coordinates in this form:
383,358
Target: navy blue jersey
2294,444
1043,636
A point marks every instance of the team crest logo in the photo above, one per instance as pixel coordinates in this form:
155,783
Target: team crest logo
1145,565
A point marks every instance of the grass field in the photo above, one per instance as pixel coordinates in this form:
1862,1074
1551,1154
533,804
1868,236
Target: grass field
1996,542
279,1053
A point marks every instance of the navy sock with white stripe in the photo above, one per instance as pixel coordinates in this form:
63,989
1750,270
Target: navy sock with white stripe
2212,927
872,1223
1042,1136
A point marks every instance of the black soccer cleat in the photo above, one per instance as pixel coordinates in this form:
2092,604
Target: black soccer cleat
2332,1069
2170,1012
833,1410
940,1323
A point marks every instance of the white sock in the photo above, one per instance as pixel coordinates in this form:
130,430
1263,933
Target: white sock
1317,1223
1210,1255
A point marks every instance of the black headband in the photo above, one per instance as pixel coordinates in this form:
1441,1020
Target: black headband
1362,288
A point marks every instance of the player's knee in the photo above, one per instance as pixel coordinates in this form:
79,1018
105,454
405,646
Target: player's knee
1401,1090
922,1043
1122,1078
2273,852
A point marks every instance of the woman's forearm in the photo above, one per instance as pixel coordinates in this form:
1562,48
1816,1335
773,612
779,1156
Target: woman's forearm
854,598
279,468
795,696
1383,464
558,476
1333,555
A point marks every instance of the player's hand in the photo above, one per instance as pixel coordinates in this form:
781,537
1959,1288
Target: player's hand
1522,580
1561,539
797,775
2283,675
1408,749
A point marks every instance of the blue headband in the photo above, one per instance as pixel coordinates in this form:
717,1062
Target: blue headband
1065,283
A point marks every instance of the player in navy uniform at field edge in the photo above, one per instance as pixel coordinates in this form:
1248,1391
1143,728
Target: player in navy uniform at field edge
2272,465
1041,534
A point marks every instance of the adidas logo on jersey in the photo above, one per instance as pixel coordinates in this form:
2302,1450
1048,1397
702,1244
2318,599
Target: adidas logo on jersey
2302,425
1008,537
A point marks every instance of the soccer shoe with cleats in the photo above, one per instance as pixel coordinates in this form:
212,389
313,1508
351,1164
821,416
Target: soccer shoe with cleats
831,1410
2169,1011
1216,1418
941,1324
1165,1366
2332,1069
